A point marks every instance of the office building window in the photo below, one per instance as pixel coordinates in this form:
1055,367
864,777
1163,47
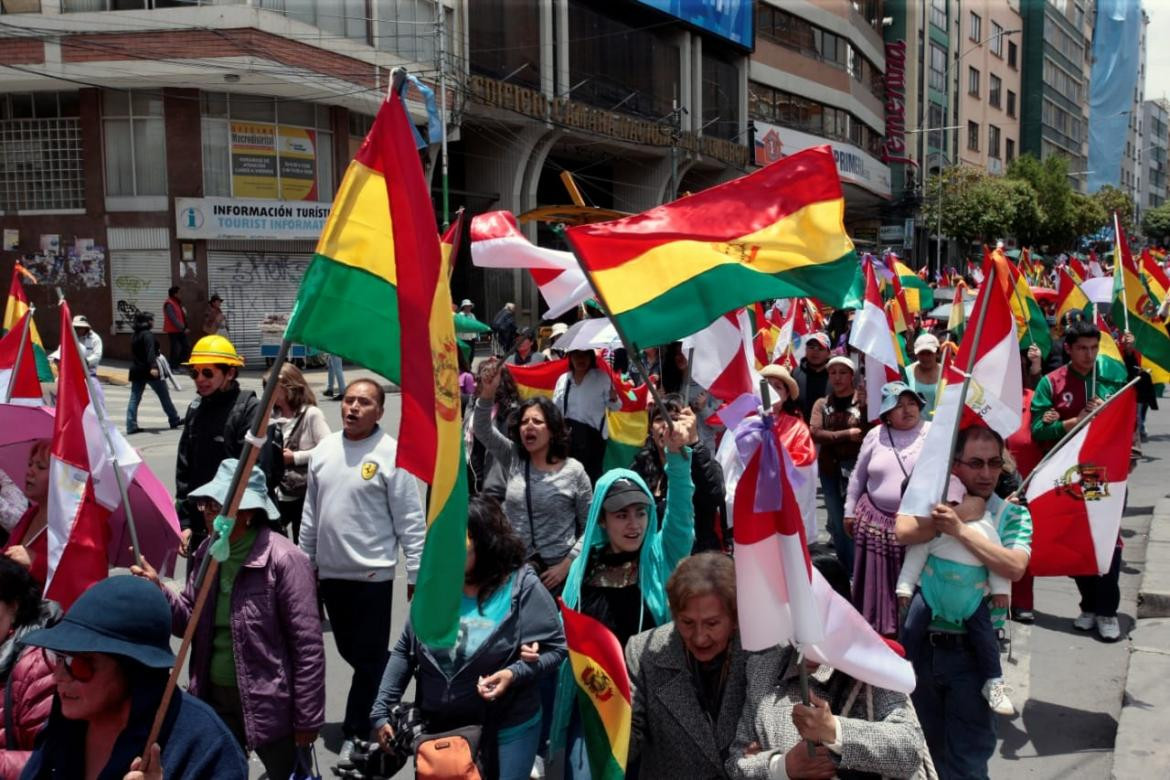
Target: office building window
1009,150
1011,103
972,82
775,106
996,40
994,90
40,152
938,68
975,31
1013,53
135,143
936,119
993,141
938,14
973,136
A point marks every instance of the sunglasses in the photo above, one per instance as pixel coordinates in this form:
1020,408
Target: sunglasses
79,667
206,373
208,504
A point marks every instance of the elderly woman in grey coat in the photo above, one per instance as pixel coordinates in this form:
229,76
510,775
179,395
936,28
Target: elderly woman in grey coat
857,729
687,677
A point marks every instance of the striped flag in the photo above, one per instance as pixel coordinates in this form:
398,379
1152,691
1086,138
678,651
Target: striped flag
15,308
20,379
1077,269
1111,370
1136,307
958,317
1069,295
873,335
497,242
1078,494
1031,324
626,427
724,361
603,693
538,379
775,233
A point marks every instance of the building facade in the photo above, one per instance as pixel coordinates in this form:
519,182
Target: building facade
1153,157
1057,58
150,143
988,93
818,76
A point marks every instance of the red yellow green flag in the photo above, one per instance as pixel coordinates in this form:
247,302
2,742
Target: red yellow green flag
603,693
1136,306
1031,324
538,380
1111,371
15,309
1069,295
672,270
628,425
377,275
918,294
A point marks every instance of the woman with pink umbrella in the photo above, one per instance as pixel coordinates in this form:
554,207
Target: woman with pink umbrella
29,545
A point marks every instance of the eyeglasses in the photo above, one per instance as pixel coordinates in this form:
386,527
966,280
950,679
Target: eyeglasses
979,464
79,667
208,504
206,373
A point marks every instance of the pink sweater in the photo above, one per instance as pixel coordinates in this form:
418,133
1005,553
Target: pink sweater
878,473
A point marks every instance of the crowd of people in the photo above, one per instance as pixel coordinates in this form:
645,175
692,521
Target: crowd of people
645,549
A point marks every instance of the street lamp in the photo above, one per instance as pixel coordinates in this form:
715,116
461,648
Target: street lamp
942,149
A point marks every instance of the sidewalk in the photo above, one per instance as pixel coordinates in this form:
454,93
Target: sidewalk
117,372
1143,741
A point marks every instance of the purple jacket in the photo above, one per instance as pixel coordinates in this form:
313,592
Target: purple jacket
276,637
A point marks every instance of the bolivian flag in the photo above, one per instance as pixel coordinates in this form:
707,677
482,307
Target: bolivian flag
672,270
1111,371
603,693
538,380
919,296
15,309
627,427
1069,295
1137,307
377,293
1158,284
1031,324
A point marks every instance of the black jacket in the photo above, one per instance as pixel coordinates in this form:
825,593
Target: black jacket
213,430
143,353
711,531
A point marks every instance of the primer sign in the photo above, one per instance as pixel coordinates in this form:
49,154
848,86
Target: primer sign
279,220
853,165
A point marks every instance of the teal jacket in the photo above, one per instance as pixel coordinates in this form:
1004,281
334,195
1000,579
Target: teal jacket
661,552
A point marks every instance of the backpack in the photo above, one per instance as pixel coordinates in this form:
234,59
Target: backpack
448,756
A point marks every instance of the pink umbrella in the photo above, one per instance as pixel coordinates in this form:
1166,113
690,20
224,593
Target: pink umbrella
151,504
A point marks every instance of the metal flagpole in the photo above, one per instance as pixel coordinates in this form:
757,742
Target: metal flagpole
210,565
20,352
439,10
95,400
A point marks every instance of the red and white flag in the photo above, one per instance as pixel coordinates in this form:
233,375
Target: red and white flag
82,487
497,242
1095,268
873,335
1077,496
782,598
995,396
724,361
19,383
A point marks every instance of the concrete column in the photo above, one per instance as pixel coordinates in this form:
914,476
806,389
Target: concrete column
548,80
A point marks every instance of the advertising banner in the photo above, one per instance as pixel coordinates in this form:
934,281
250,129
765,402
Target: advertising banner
853,165
246,218
253,159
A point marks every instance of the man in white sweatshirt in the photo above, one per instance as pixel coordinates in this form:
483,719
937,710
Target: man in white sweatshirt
359,510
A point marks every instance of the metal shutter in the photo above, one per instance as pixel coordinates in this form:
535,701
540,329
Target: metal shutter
253,285
139,280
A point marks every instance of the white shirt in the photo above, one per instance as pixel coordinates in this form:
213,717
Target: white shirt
91,351
586,401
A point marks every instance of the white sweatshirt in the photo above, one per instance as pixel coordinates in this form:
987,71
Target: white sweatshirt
359,509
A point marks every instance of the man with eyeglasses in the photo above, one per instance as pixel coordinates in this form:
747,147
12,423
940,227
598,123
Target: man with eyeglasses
1063,398
213,429
956,718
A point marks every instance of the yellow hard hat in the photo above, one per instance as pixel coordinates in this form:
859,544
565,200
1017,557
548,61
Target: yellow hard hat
211,350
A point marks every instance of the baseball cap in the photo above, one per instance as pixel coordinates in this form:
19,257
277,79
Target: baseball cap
927,342
821,338
622,493
843,360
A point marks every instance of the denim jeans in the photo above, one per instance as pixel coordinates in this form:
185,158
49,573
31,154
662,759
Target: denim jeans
984,644
833,485
333,367
956,719
159,387
178,343
518,753
359,615
1102,595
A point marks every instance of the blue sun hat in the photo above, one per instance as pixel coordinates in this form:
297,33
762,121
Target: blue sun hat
255,494
892,391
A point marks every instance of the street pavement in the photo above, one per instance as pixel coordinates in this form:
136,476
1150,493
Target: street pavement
1067,685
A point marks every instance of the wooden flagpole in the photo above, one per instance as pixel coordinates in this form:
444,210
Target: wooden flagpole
210,566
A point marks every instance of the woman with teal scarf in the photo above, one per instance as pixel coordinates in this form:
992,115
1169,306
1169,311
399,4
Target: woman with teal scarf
620,580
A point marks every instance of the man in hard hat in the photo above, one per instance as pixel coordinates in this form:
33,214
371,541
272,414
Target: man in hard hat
213,429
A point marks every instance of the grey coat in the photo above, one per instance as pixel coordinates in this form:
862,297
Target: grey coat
671,735
890,744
